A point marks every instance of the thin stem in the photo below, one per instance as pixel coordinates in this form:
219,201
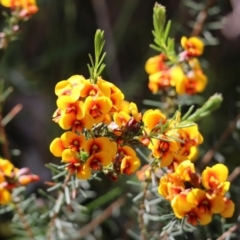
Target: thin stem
53,218
102,217
24,221
210,153
201,18
4,143
141,211
228,233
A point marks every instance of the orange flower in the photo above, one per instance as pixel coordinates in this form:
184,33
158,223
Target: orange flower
95,90
186,171
70,156
184,153
99,160
68,140
153,118
214,179
82,172
129,164
29,6
124,106
79,124
121,118
26,179
204,207
95,145
164,150
126,160
70,111
5,196
196,206
116,96
170,186
180,205
133,110
71,87
228,208
155,64
194,82
98,107
76,163
159,81
6,167
193,46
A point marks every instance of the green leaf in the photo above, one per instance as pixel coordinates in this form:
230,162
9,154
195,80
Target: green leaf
96,67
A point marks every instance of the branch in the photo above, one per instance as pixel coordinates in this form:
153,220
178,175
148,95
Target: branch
24,221
102,217
53,218
211,152
201,18
226,234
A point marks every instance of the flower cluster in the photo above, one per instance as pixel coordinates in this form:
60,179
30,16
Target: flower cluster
22,8
101,126
185,75
196,198
170,140
11,177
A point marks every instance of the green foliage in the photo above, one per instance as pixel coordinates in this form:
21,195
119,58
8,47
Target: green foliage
97,66
163,43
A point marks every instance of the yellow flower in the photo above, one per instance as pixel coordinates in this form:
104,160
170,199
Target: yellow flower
133,110
152,118
164,150
159,81
228,208
214,179
180,205
6,167
129,164
68,140
186,170
70,111
155,64
194,82
170,186
196,207
98,107
26,179
95,145
5,196
193,45
124,106
121,118
99,160
71,87
29,6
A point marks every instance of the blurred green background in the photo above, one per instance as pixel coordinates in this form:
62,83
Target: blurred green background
55,43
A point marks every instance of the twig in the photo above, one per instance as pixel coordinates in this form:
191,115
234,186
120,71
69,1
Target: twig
201,18
4,141
210,153
24,221
53,218
101,218
14,111
142,208
234,174
226,234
